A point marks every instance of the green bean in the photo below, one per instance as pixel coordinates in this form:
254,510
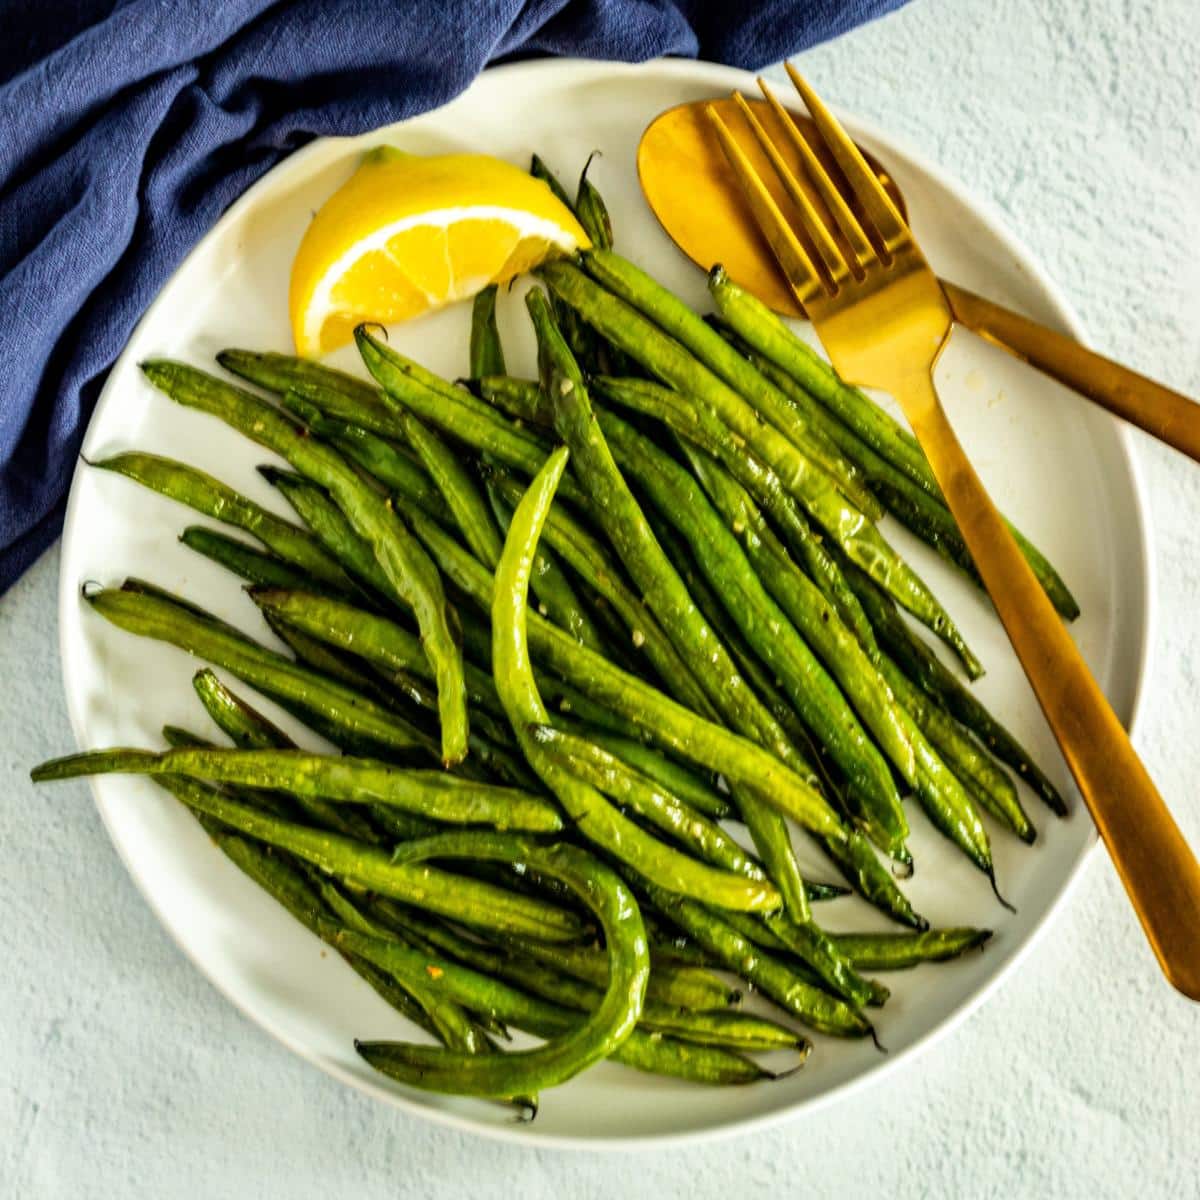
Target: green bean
380,456
689,424
464,899
867,679
768,628
337,706
294,893
486,351
670,725
846,524
985,782
588,558
627,787
521,399
331,528
457,1029
274,803
463,499
555,594
214,499
626,526
675,986
808,1004
485,431
254,566
539,170
721,362
592,212
410,571
582,340
677,729
312,652
768,335
248,729
595,818
924,667
337,779
896,951
687,785
281,373
602,1031
543,976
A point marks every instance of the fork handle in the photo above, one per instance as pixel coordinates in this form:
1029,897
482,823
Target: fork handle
1157,867
1166,415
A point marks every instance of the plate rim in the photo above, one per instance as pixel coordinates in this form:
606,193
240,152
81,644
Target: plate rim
1064,311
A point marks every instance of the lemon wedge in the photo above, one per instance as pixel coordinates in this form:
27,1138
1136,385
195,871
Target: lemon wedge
406,234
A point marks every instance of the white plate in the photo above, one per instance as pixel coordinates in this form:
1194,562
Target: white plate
1061,470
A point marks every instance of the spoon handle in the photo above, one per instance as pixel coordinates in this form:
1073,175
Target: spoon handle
1158,410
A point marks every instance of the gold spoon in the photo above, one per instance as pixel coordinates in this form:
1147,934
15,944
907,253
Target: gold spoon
693,192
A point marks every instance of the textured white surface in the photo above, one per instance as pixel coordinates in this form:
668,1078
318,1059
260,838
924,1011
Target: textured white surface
122,1073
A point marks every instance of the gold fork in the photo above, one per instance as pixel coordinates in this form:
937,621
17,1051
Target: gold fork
884,320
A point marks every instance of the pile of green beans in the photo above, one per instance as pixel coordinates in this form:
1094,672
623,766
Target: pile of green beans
564,634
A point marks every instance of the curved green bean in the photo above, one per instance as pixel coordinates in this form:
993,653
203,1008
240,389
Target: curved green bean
595,818
589,559
598,1035
555,593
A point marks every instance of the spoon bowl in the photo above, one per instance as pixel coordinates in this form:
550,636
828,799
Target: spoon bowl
694,193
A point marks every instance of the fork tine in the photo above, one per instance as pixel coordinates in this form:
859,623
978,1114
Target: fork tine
874,202
802,275
847,222
826,248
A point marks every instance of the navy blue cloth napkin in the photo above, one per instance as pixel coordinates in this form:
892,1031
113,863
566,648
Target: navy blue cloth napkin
129,127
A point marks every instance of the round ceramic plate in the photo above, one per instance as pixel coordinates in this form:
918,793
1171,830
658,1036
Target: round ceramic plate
1060,469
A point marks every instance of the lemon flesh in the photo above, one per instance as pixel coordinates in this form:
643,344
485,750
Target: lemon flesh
406,234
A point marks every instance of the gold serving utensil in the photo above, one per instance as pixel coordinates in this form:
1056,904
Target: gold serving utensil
695,195
884,319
